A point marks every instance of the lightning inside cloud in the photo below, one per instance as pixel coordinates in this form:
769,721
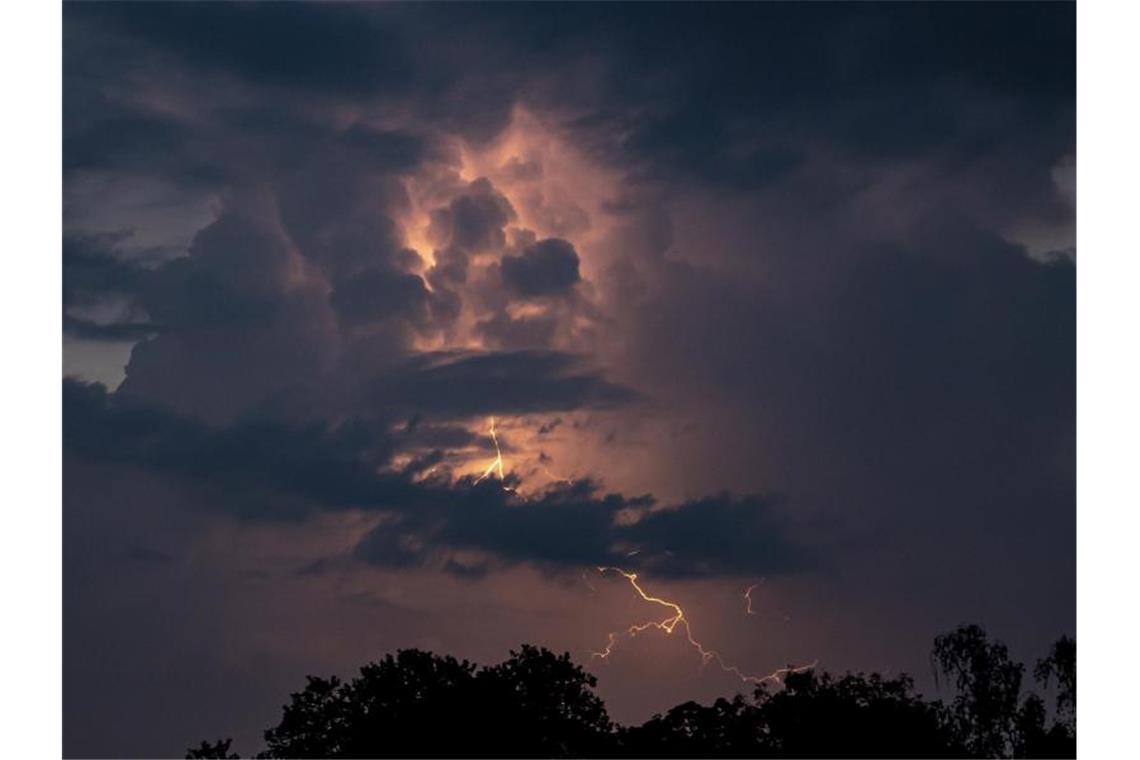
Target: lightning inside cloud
496,465
669,624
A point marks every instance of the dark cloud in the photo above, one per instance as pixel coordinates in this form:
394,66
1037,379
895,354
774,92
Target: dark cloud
375,295
338,209
919,407
545,268
113,331
697,115
503,331
573,526
232,299
261,469
94,274
257,468
235,273
90,269
442,436
754,93
293,46
959,325
460,384
805,252
122,137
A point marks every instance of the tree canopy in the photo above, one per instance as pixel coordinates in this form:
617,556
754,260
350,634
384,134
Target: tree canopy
538,704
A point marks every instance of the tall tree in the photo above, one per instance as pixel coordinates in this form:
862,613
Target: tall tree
989,690
544,706
1061,664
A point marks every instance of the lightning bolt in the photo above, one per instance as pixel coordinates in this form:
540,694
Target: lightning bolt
609,648
748,597
670,623
678,619
553,477
496,465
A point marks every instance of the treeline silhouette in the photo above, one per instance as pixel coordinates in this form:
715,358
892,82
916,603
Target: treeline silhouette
537,704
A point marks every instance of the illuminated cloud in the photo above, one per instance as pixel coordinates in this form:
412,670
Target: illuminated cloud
261,469
809,251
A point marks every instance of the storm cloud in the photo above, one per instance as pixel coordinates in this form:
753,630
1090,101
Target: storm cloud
390,299
261,469
544,268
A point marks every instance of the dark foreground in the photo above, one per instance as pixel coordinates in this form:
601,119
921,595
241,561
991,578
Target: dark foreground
536,704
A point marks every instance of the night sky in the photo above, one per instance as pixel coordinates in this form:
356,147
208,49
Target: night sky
777,295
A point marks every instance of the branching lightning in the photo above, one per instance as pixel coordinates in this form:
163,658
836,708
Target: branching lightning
670,624
496,465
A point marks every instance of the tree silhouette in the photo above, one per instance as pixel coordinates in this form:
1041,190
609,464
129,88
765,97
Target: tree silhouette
546,707
538,704
1060,740
725,729
988,715
219,750
854,716
1034,740
313,724
989,690
392,708
1062,665
534,704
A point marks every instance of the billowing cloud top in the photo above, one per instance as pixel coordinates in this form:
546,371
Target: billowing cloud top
780,290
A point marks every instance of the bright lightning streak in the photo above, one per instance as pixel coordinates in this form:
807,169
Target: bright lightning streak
497,463
669,624
748,597
609,648
496,467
